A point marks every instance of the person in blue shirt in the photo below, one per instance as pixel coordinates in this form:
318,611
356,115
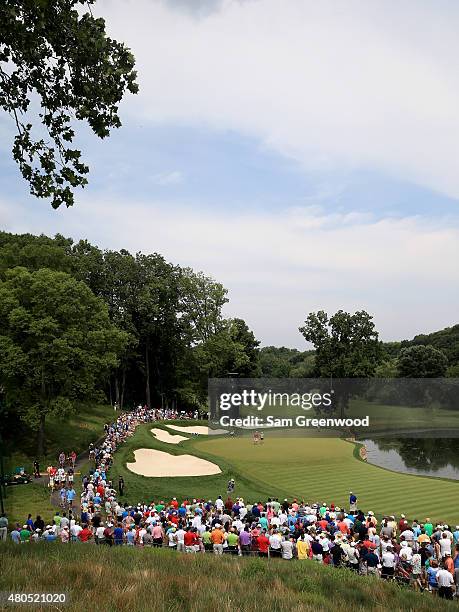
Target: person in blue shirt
415,529
352,502
118,534
16,536
50,536
264,523
70,496
351,517
456,535
432,575
130,537
291,520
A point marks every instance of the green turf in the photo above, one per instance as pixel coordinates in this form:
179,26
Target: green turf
139,488
316,470
326,470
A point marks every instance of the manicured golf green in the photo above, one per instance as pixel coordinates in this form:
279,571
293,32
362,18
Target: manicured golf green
327,469
316,470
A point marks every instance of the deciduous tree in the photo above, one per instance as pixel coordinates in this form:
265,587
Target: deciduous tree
58,66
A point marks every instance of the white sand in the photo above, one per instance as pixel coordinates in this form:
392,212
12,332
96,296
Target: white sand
165,436
198,429
155,463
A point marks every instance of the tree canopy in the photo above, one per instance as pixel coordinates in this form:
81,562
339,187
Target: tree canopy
421,361
57,67
56,344
347,345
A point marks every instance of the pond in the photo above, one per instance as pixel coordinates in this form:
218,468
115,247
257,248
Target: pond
425,457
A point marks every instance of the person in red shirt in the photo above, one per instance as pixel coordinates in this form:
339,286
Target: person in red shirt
255,533
323,524
343,528
263,544
403,523
174,503
369,545
191,541
85,534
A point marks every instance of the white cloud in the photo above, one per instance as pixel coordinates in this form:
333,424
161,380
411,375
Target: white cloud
355,84
280,266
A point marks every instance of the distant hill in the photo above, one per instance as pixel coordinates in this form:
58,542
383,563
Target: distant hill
283,362
447,340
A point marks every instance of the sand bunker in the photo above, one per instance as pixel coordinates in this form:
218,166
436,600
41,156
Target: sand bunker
165,436
155,463
198,429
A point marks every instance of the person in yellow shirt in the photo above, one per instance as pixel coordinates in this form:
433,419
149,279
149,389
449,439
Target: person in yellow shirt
303,547
423,537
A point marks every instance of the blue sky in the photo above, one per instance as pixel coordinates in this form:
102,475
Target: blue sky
302,155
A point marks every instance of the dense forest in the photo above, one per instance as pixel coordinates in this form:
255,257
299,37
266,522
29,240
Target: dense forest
81,324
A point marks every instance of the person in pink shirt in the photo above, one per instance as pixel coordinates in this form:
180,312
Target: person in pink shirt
158,534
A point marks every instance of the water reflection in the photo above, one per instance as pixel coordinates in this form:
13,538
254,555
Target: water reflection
428,457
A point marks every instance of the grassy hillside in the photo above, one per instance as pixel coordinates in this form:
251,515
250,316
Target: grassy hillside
96,577
73,433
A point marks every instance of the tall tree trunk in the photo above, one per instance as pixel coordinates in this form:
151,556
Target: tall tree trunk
123,386
117,391
41,436
41,425
147,374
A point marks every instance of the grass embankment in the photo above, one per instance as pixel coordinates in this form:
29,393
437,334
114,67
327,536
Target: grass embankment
309,468
132,579
74,433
